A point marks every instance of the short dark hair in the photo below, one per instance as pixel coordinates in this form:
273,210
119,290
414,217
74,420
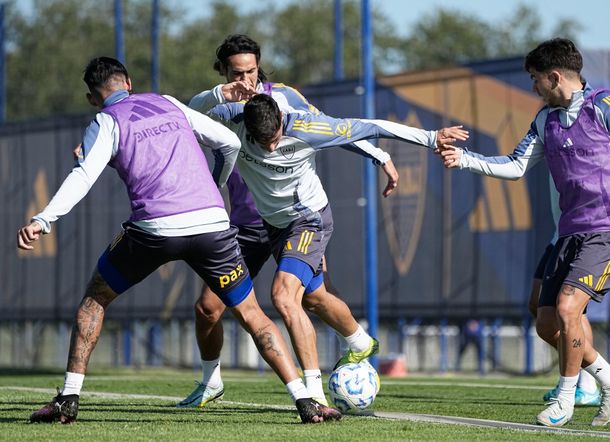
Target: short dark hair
101,70
262,118
238,44
557,53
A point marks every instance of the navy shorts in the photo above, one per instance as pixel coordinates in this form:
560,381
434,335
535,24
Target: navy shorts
581,260
300,247
255,246
215,256
544,259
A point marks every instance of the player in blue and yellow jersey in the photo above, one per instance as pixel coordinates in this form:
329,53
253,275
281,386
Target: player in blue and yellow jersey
277,162
238,60
572,132
177,213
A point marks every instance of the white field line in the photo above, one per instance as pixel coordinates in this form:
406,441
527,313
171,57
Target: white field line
415,382
451,420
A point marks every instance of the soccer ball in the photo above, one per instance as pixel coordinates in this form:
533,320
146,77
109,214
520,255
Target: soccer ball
353,387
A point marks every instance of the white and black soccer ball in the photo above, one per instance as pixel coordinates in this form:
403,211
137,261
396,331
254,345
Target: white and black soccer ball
353,387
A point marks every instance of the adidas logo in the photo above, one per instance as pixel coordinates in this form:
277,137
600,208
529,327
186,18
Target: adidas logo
568,143
597,370
587,280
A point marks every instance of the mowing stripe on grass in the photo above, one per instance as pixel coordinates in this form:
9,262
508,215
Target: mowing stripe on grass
451,420
462,384
455,420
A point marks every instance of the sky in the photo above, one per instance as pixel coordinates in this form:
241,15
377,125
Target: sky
592,14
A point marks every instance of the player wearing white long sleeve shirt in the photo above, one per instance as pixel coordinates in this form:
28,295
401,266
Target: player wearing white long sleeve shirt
177,213
572,133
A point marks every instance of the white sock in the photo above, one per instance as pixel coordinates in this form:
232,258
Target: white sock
586,382
313,383
600,370
73,383
359,341
211,373
567,389
297,390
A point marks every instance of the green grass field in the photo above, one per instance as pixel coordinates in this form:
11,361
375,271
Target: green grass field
119,405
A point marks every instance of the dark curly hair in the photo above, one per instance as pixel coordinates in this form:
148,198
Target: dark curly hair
237,44
557,53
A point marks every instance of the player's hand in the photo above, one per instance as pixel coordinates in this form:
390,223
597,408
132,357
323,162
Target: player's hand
392,174
448,135
77,153
28,234
238,91
451,156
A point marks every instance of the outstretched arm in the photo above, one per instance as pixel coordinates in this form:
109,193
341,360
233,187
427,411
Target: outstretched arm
511,167
321,131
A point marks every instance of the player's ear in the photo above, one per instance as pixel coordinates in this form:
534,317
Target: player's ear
554,76
91,99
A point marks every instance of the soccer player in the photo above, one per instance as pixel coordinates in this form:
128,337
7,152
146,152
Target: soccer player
238,60
572,133
177,213
587,391
277,162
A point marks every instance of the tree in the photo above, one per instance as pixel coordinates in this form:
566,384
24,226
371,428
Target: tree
301,41
449,37
48,49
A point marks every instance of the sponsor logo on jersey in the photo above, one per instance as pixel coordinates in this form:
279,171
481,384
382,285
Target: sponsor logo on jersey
274,167
155,131
232,276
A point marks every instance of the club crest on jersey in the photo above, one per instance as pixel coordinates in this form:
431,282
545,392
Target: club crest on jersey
287,152
404,210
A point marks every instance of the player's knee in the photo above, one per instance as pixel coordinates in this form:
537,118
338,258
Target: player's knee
547,330
567,314
209,312
284,302
99,291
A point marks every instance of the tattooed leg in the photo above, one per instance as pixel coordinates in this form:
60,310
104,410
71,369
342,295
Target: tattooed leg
571,303
267,337
88,323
